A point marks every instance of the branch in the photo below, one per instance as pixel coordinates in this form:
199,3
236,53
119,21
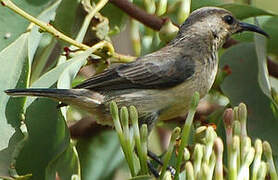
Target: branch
156,23
272,67
134,11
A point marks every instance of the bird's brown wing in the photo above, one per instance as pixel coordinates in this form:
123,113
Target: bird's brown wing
142,75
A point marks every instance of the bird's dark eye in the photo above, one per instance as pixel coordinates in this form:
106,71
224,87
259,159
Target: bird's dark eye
229,19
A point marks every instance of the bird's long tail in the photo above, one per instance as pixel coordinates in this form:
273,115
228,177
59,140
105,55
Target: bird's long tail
69,96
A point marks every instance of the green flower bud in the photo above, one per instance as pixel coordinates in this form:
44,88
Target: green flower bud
268,154
168,31
189,171
115,116
161,7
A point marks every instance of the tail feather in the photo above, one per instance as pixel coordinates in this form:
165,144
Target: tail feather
68,96
40,92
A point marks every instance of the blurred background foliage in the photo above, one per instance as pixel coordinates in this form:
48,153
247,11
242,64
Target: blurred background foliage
38,141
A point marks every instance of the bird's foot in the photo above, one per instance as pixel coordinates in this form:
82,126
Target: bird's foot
158,160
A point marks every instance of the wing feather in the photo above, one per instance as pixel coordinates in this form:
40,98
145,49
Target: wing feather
147,74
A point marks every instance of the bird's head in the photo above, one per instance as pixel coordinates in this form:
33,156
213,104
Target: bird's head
215,23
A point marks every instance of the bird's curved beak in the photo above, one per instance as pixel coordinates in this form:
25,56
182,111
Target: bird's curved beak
250,27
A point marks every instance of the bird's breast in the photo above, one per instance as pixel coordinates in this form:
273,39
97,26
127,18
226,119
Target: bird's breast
179,97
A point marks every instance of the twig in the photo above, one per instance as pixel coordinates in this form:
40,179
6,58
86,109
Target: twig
50,29
88,18
44,26
272,67
134,11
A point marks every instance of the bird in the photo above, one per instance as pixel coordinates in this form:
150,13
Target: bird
160,84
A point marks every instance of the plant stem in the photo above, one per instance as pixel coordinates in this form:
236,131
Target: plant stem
197,157
127,140
244,170
189,171
257,159
186,132
121,58
167,157
144,141
115,116
262,172
271,166
50,29
44,26
184,11
140,15
134,120
233,164
88,18
218,148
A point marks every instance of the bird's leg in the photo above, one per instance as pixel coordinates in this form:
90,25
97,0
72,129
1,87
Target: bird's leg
153,169
150,119
158,160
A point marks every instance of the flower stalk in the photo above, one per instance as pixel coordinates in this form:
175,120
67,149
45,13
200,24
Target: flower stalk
186,131
175,135
206,160
136,131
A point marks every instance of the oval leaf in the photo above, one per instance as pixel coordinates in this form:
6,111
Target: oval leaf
242,86
245,11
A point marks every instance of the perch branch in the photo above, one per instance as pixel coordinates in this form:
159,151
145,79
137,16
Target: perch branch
142,16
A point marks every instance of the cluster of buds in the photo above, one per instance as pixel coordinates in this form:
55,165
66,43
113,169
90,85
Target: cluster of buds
241,153
144,38
205,159
131,137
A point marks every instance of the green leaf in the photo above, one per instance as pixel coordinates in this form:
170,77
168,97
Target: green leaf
37,41
241,11
242,86
195,4
7,155
66,68
66,164
100,155
66,14
64,21
263,76
117,19
241,1
13,25
16,59
35,36
70,71
47,129
13,75
48,137
43,53
270,25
